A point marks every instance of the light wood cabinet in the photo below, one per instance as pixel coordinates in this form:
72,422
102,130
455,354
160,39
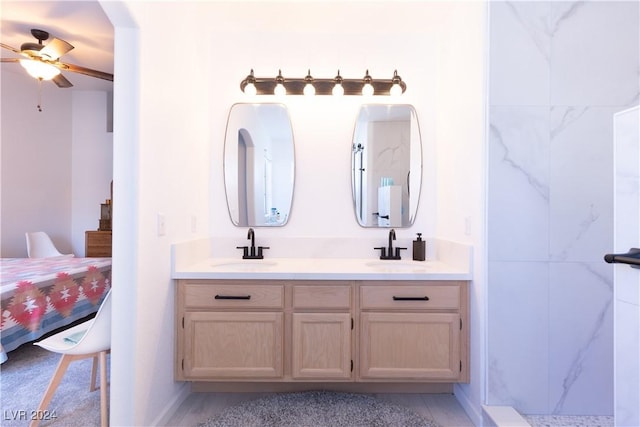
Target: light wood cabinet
230,330
330,331
414,331
321,346
410,346
322,331
233,345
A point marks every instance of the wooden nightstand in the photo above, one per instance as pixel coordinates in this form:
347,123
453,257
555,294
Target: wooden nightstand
97,244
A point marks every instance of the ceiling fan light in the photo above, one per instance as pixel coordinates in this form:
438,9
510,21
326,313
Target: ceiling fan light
39,70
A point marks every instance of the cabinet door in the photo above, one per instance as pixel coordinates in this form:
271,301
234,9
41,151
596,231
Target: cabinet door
321,345
233,345
410,346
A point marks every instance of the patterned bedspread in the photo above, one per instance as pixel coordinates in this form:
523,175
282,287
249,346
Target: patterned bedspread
42,294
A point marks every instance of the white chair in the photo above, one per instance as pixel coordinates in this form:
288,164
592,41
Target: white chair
88,339
39,245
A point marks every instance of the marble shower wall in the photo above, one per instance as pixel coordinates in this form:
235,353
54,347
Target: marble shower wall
558,73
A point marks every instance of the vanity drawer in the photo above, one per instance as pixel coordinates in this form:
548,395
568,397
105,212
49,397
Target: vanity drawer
322,296
225,295
410,297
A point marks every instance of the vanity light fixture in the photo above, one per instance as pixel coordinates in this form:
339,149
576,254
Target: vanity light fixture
279,90
250,88
309,89
367,87
309,85
396,88
337,90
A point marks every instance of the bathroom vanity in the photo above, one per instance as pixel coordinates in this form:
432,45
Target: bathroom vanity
296,320
335,310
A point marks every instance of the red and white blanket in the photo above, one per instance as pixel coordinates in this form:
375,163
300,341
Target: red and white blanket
43,294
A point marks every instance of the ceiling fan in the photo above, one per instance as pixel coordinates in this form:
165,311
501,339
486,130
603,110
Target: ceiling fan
42,61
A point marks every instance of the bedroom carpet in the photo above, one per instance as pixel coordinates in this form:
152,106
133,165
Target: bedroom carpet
318,409
26,375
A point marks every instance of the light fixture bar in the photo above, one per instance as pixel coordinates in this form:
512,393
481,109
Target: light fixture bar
295,86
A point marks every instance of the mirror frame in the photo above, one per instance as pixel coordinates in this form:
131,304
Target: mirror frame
226,171
413,169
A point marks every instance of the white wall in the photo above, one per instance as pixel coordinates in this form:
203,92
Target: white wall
460,121
56,164
92,163
169,124
36,162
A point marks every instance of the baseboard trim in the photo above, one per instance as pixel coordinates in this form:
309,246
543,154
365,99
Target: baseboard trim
468,406
163,418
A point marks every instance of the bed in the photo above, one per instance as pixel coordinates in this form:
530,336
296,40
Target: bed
40,295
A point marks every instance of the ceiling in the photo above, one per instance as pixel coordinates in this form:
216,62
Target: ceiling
81,23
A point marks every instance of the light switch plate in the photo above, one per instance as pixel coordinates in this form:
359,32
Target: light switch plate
162,228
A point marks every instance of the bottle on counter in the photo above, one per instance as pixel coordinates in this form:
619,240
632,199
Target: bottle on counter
419,248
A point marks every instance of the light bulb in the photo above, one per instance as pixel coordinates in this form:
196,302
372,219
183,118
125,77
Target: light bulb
250,89
396,90
249,82
337,90
309,90
280,90
367,89
39,69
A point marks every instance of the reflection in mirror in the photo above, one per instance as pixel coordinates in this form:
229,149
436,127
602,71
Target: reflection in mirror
259,165
386,165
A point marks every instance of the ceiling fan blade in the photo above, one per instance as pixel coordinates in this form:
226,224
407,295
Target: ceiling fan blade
6,46
55,49
61,81
9,59
86,71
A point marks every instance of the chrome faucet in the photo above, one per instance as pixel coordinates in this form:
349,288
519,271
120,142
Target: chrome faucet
388,252
249,252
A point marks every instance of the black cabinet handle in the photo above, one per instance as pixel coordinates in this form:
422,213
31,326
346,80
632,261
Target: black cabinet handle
233,297
425,298
632,258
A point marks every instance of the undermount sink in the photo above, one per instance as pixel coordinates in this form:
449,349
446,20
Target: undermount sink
398,266
245,265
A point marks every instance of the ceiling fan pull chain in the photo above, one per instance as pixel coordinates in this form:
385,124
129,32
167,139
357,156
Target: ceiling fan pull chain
40,95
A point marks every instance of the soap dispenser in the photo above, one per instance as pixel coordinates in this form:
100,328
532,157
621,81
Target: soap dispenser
419,248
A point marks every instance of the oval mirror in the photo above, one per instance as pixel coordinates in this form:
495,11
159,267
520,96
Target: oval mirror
386,165
259,165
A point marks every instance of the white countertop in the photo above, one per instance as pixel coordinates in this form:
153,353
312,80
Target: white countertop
320,269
